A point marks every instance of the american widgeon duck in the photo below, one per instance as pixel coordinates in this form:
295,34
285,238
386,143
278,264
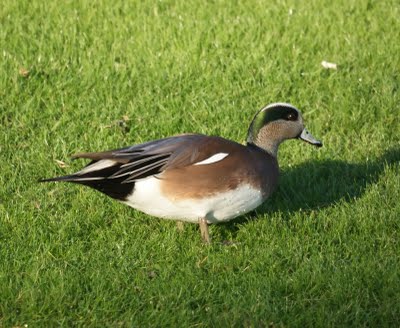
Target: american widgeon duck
194,177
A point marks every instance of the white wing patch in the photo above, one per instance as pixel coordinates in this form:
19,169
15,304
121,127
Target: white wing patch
213,159
100,165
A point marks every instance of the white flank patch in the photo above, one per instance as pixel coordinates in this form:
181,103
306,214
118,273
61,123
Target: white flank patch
213,159
147,197
100,165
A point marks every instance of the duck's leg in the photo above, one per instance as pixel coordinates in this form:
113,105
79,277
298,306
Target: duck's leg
204,231
180,226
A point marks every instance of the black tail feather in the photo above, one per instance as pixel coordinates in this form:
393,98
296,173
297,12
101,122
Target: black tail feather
116,179
111,187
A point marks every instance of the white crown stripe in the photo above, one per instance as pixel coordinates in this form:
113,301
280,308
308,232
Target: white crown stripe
280,104
213,159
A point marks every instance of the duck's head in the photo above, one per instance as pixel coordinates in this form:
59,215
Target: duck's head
276,123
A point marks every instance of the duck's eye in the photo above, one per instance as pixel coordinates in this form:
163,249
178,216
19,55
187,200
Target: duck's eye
291,117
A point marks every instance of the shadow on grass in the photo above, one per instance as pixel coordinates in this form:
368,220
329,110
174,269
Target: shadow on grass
317,184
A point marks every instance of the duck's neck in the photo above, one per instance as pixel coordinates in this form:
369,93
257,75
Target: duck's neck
264,141
270,149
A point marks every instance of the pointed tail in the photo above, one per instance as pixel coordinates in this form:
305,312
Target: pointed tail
97,175
65,178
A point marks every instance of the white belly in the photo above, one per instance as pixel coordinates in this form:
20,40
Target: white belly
147,197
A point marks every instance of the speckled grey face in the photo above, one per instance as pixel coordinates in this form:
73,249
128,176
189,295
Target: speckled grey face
282,113
271,113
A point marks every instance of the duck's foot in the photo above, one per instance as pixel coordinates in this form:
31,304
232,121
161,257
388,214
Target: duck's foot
204,231
180,226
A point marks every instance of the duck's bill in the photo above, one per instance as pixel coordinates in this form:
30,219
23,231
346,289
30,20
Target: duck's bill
308,137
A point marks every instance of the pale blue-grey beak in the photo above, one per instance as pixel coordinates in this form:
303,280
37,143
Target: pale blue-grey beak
308,137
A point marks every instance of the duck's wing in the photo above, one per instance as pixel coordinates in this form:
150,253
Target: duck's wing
127,165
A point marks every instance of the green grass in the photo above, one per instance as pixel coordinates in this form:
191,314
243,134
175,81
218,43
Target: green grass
323,251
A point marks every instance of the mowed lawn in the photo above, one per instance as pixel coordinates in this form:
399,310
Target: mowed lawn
87,76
